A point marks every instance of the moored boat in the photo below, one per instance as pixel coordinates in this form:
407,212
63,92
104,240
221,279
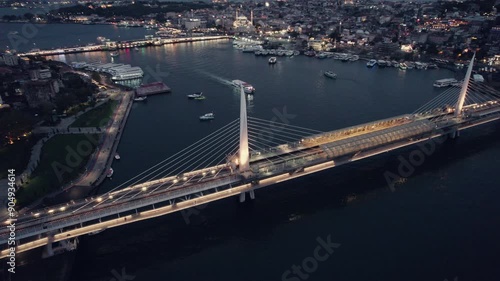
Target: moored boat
117,156
110,173
114,54
141,98
272,60
371,63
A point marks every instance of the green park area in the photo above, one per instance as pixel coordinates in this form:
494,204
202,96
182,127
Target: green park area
62,160
98,116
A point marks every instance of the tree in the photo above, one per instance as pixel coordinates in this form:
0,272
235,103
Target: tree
95,76
29,16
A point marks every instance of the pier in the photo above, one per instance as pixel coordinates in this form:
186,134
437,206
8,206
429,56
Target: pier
108,46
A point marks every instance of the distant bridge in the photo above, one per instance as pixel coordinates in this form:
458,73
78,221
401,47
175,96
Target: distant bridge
248,154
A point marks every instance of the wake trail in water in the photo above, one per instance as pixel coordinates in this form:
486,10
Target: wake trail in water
216,78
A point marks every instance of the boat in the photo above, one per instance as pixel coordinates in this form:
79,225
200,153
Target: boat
208,116
289,53
381,63
136,49
410,65
140,98
247,88
444,82
432,66
200,98
371,63
272,60
96,232
321,56
403,66
264,53
330,74
354,58
117,156
110,173
310,53
195,95
296,53
395,63
114,54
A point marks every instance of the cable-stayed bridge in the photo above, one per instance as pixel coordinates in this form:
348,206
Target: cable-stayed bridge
247,154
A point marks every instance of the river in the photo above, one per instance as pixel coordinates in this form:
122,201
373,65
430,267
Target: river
440,224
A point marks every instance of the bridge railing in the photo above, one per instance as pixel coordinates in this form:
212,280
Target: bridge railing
90,214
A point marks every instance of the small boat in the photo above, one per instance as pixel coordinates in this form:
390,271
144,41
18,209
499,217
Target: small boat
114,54
403,66
432,66
117,156
289,53
272,60
321,56
140,98
96,232
110,173
200,98
354,58
208,116
371,63
136,49
381,63
330,74
296,53
195,95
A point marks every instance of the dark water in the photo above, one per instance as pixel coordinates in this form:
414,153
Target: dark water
443,222
45,36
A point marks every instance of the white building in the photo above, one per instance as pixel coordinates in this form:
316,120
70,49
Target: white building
10,59
192,24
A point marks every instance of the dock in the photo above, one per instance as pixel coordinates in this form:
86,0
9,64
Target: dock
152,89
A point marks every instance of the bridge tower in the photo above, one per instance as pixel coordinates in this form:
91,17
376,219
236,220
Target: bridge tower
244,152
463,94
465,86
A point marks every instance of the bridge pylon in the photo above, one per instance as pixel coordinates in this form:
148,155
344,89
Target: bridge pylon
244,153
465,87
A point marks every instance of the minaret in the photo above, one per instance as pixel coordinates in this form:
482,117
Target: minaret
251,17
244,157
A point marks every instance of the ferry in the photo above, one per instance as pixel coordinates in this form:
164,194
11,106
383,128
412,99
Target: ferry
117,156
207,117
195,95
249,89
444,82
140,98
330,74
114,54
371,63
272,60
110,173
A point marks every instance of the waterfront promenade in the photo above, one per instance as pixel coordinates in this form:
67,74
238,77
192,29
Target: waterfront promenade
101,160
